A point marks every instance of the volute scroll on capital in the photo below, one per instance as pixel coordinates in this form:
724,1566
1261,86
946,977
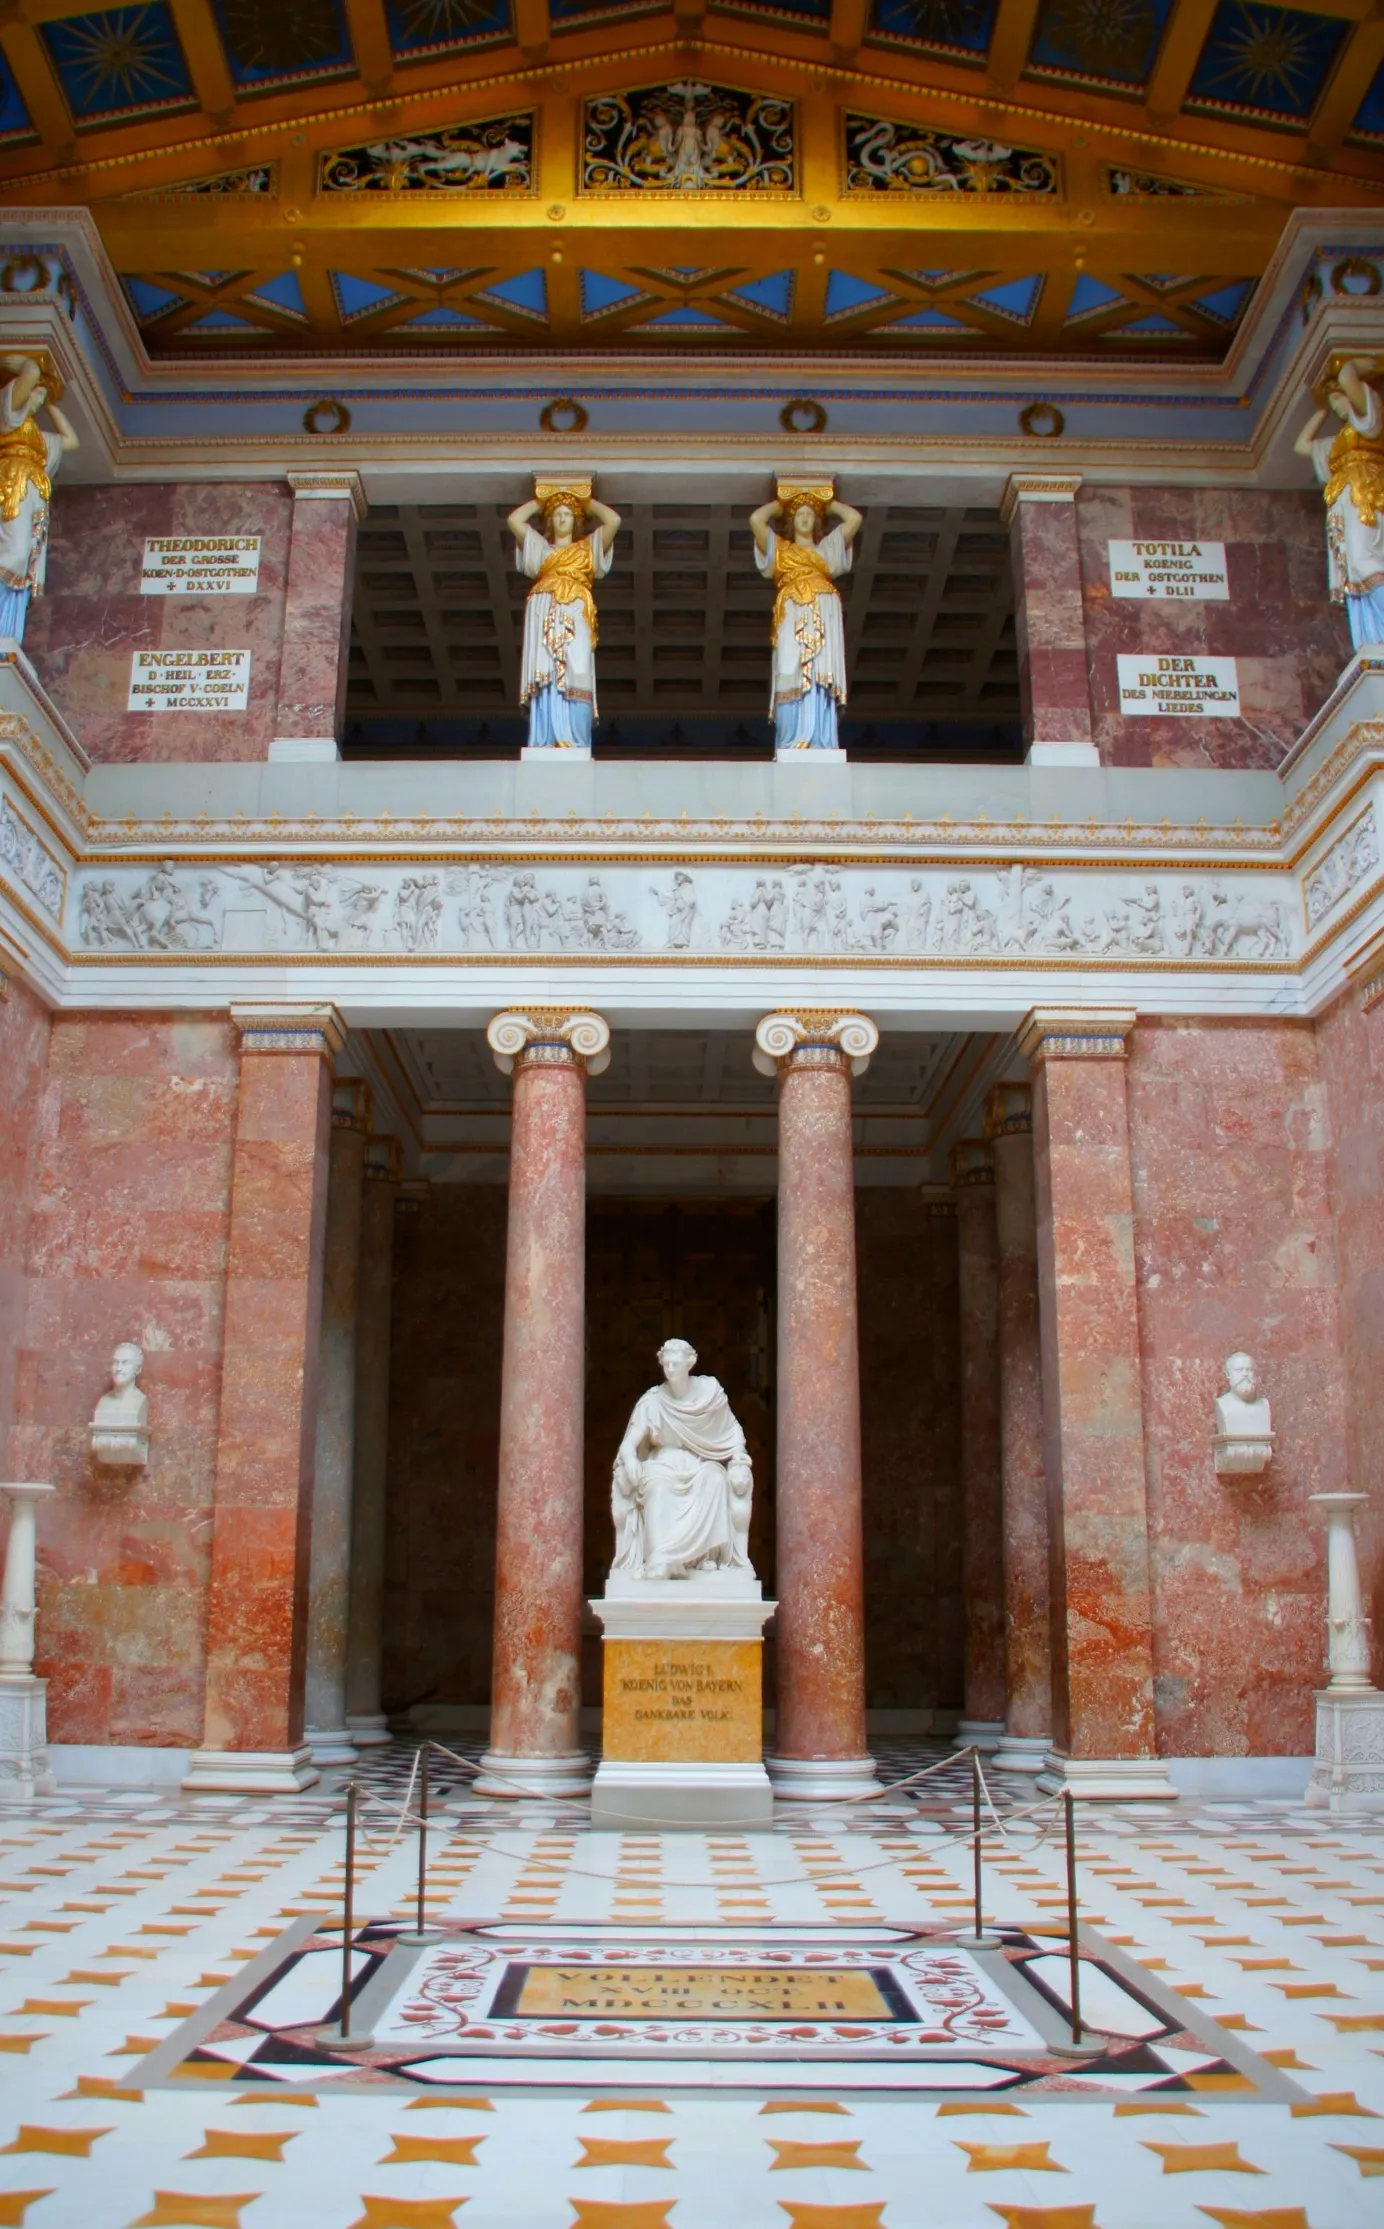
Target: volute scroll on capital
783,1037
560,1035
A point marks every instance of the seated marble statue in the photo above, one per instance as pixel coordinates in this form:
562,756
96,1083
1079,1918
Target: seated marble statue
1244,1430
120,1427
682,1482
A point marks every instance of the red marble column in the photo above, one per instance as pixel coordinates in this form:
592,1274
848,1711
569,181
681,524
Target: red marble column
327,509
1027,1649
535,1705
982,1560
1093,1418
333,1490
819,1747
374,1311
252,1735
1049,618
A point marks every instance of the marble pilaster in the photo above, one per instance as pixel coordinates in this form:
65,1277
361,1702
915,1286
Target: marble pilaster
258,1597
973,1181
1027,1649
327,510
329,1560
820,1746
1101,1608
1049,618
535,1710
365,1717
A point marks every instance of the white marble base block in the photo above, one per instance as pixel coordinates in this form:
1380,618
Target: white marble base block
368,1729
251,1772
1022,1752
1107,1779
822,1779
984,1734
503,1775
1348,1770
629,1795
24,1768
330,1745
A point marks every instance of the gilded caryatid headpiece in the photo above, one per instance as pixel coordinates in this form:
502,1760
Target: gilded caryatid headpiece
792,494
50,378
1329,377
575,493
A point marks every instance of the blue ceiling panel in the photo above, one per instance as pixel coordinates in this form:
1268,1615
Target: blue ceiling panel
600,293
1016,299
845,294
421,27
14,116
124,62
1265,62
148,300
772,296
357,297
529,291
1089,295
283,42
1098,42
959,27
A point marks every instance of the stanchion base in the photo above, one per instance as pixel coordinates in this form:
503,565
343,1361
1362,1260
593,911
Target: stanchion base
331,2039
985,1941
418,1936
1088,2048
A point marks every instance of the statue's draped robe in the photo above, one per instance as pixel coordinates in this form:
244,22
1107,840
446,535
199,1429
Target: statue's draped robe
809,670
680,1520
28,460
1350,465
558,680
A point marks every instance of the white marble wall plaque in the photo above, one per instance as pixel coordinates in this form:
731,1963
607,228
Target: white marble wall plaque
189,681
200,565
1185,569
1188,688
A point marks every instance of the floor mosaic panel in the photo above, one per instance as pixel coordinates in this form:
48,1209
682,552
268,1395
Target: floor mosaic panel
893,2009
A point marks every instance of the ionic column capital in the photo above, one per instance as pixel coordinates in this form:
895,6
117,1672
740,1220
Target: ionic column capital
290,1029
811,1038
551,1037
412,1196
1076,1033
1008,1111
1037,487
972,1162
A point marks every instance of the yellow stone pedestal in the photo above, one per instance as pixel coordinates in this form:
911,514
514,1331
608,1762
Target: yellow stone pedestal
682,1719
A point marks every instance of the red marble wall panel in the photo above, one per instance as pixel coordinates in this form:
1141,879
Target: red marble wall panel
257,1606
23,1059
1093,1432
1230,1149
83,632
127,1240
1289,639
1049,622
1350,1046
317,618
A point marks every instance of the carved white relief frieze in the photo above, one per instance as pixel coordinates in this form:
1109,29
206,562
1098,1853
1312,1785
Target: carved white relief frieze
806,909
28,864
1353,856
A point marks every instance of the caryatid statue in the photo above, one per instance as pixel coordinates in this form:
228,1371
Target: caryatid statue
808,680
558,681
1349,462
28,460
681,1489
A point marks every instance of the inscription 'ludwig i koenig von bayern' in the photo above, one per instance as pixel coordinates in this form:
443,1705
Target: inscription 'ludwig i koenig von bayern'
702,1706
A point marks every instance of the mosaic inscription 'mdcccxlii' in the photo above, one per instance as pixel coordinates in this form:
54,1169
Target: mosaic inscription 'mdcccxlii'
808,908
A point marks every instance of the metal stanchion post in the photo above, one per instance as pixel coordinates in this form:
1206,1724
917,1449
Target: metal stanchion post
343,2037
421,1932
1081,2045
978,1939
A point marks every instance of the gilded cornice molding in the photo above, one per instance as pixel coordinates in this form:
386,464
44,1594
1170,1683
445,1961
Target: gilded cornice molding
1037,487
289,1029
1076,1033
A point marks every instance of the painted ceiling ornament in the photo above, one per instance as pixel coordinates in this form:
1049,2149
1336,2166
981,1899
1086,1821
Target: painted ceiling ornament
808,676
688,137
28,460
232,184
1349,463
281,35
1114,39
558,679
883,157
469,158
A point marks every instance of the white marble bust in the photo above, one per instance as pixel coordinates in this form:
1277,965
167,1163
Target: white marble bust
1244,1426
120,1427
682,1483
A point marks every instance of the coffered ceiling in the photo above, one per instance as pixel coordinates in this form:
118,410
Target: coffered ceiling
1089,177
684,616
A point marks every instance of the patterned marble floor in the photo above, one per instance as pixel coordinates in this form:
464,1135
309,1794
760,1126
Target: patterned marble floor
125,1914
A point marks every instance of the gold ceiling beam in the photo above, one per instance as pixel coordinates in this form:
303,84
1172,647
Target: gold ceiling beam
1010,42
846,28
1178,57
1339,105
206,60
532,28
370,42
39,88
